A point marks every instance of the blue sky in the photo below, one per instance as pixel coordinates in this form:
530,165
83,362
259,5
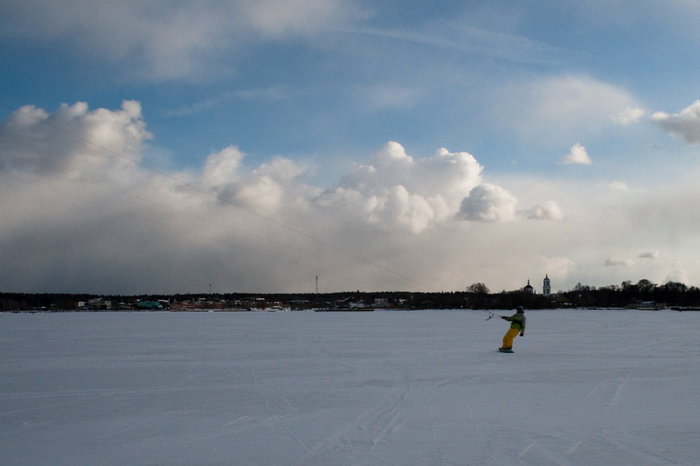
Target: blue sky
380,145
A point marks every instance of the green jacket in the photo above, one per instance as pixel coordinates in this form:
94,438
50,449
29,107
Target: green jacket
517,321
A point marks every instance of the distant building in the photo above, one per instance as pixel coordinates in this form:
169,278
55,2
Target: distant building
546,287
528,288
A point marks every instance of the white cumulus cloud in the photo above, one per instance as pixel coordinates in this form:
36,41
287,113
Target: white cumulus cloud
489,203
546,211
73,139
577,155
685,124
396,189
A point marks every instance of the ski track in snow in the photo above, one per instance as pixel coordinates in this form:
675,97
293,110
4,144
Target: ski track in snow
605,394
368,429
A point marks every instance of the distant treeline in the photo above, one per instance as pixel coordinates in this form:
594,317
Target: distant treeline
477,296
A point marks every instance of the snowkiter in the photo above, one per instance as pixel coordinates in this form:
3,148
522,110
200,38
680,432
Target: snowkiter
517,325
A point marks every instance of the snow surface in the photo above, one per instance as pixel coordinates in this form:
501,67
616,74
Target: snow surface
584,387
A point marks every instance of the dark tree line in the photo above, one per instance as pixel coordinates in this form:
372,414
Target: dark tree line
671,294
475,296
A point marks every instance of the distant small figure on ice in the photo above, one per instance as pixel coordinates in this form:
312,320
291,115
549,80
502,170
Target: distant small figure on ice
517,325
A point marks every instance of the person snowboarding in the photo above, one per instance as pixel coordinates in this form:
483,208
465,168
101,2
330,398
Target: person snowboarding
517,325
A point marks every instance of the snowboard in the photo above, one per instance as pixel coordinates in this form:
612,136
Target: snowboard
501,350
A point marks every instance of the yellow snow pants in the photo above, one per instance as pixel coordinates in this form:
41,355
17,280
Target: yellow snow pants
509,336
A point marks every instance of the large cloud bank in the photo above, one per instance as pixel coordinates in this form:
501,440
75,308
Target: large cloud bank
82,211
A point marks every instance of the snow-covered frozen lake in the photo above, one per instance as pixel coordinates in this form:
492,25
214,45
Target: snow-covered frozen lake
585,387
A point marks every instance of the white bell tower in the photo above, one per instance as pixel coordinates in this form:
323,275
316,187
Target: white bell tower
546,287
